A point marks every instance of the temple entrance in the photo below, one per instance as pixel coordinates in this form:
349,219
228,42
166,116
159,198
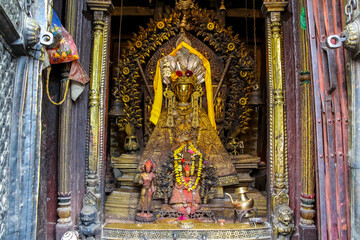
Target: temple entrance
188,135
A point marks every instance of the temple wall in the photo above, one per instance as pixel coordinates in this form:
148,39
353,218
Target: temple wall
7,76
23,24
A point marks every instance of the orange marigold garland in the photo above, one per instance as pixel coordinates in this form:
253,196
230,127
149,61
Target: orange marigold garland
178,166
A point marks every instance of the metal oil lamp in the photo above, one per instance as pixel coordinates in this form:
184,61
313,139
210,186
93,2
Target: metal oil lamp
243,202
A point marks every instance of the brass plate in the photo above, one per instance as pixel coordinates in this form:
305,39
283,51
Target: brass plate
168,231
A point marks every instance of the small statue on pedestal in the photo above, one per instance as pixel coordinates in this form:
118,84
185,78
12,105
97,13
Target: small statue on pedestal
283,222
89,225
148,182
185,197
184,200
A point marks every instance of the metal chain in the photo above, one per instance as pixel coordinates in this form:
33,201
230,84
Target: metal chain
246,26
119,46
335,41
349,9
255,63
27,6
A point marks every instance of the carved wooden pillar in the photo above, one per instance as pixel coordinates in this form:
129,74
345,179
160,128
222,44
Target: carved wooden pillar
64,222
278,168
64,211
90,225
307,211
307,197
100,10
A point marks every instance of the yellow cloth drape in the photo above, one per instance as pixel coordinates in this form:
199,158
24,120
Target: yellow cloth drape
158,89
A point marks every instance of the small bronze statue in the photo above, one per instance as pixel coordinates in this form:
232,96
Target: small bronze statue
148,182
219,107
283,222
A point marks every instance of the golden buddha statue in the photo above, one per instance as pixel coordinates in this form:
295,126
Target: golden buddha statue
182,120
219,105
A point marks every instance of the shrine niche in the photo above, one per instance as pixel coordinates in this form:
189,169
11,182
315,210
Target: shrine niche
183,88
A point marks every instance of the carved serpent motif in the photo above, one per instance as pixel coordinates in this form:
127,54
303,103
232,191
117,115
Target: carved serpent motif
220,39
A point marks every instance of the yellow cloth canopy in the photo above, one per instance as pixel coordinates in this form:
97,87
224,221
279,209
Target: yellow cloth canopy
158,88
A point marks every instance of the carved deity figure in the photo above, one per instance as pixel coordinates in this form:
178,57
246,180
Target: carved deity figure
219,105
187,113
283,223
89,225
185,197
148,182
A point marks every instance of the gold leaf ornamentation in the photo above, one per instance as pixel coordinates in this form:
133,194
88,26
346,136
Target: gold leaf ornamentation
138,44
160,25
126,71
231,46
210,26
243,101
125,98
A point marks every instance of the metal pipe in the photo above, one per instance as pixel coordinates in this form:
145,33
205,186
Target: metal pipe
146,82
223,76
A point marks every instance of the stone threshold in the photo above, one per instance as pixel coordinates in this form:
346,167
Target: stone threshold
172,231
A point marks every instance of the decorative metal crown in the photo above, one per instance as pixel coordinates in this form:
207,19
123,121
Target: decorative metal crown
187,80
184,67
184,4
183,77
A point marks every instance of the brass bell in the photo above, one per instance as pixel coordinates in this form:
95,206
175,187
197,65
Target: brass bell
116,109
255,97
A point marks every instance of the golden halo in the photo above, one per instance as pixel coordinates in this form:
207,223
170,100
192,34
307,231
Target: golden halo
138,44
231,46
125,98
160,25
210,26
126,71
243,101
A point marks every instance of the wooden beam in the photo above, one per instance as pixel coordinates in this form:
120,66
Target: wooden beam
134,11
145,11
243,13
125,37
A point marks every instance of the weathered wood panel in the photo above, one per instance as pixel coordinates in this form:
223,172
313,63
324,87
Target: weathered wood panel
293,109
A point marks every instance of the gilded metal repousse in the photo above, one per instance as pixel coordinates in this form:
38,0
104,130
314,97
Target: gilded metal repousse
184,4
283,222
219,38
95,137
167,231
277,115
96,94
277,121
